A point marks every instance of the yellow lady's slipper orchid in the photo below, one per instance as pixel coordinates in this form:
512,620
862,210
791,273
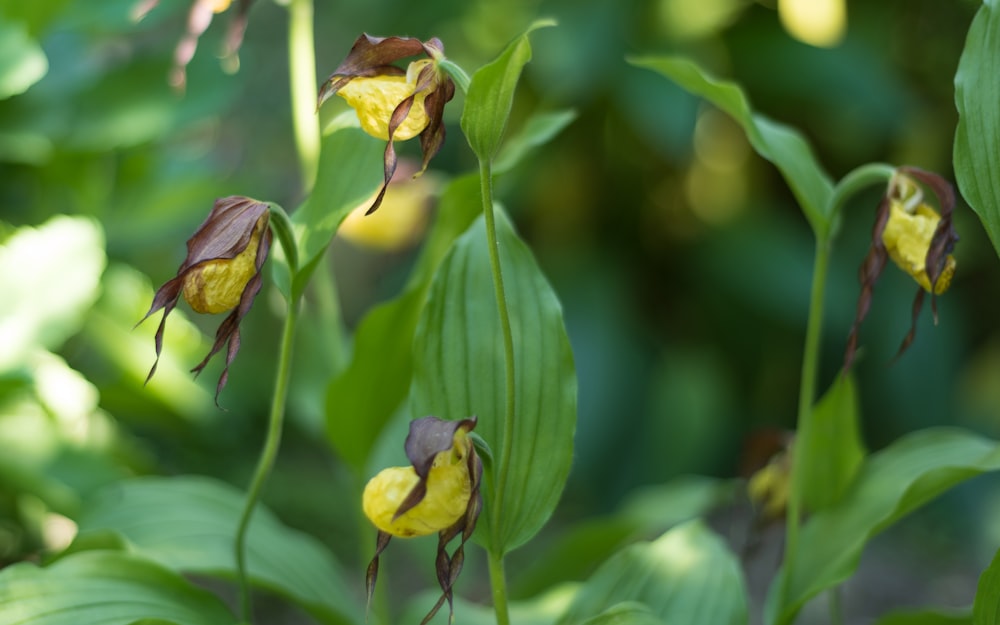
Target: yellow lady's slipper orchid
222,271
908,235
439,492
391,103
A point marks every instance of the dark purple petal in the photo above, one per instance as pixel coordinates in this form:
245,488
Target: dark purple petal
371,574
869,274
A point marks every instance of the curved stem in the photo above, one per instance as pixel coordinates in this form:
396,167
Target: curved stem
502,461
302,74
457,74
498,582
267,454
856,180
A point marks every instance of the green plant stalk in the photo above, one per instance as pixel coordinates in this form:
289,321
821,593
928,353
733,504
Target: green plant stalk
502,462
302,74
268,453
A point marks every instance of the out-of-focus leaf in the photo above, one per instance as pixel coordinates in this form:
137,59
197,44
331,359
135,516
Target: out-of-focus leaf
650,511
830,451
688,575
780,144
49,277
891,484
491,95
977,139
926,617
544,609
986,608
459,371
625,613
539,129
188,524
104,588
370,390
22,61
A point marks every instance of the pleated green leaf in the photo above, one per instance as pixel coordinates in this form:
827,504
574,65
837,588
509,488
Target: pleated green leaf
890,484
362,399
688,576
783,146
104,588
491,95
459,371
188,524
986,608
831,452
977,139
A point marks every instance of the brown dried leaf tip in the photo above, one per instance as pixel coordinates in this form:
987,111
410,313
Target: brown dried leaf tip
199,18
916,238
439,492
222,271
393,104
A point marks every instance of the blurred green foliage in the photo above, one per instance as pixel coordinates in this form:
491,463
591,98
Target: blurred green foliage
680,258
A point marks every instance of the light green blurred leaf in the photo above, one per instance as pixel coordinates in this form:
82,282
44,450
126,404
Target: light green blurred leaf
977,139
925,617
891,484
986,608
830,452
49,277
539,129
188,524
625,613
22,61
688,576
459,371
544,609
369,391
783,146
491,95
104,588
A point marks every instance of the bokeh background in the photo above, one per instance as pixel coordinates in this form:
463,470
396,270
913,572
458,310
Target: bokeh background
681,259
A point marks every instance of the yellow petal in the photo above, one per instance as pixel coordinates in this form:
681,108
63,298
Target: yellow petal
448,492
374,99
907,238
216,286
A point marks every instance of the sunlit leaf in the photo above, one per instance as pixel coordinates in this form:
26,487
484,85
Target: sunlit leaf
890,484
830,450
104,588
22,61
362,399
688,576
986,608
188,525
786,148
459,371
977,139
491,95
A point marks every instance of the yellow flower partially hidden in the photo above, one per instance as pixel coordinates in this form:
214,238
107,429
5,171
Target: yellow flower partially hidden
449,487
907,238
376,98
216,286
769,487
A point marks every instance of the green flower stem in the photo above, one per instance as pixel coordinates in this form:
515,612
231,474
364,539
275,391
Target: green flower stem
457,74
856,180
302,74
267,454
498,581
502,461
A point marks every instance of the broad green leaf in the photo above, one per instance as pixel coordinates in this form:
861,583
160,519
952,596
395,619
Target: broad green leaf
49,277
491,95
977,139
576,552
986,608
349,171
104,588
544,609
783,146
926,617
890,484
688,576
188,525
459,371
369,391
22,61
625,613
830,451
539,129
